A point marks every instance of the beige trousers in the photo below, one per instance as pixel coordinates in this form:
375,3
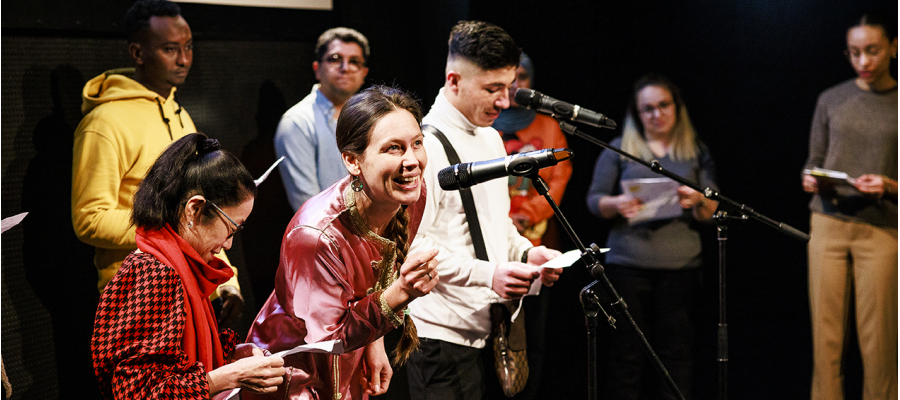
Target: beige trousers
853,263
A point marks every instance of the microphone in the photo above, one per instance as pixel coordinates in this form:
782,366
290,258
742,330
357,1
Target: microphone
463,175
533,99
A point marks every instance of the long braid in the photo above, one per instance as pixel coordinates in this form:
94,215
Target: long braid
399,233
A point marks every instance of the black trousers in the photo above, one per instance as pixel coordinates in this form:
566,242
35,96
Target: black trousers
664,304
446,371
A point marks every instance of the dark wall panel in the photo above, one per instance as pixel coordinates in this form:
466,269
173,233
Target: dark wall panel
48,302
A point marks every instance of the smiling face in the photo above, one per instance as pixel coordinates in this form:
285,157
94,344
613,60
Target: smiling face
480,95
870,51
656,107
214,235
391,166
164,55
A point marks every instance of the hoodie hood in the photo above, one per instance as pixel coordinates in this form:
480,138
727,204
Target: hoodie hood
112,85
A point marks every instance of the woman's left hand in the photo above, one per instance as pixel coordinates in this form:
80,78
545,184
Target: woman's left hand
377,372
258,373
418,275
874,185
688,197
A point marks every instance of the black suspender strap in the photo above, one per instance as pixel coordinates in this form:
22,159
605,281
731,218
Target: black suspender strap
466,194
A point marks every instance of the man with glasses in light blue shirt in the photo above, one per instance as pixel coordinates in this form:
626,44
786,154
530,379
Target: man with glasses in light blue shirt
305,135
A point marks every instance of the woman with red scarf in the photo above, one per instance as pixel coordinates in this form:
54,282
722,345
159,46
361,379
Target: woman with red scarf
155,332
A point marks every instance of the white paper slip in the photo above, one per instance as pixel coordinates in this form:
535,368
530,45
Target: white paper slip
330,347
268,171
566,259
830,176
659,195
10,222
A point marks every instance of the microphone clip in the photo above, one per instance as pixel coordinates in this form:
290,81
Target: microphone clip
523,166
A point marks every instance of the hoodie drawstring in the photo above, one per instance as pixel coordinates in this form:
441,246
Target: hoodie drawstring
166,120
178,111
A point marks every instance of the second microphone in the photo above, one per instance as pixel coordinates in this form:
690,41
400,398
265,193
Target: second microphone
463,175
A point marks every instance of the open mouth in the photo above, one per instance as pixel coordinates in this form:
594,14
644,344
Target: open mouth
409,181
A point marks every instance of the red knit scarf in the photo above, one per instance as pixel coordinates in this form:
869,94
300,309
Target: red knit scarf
201,336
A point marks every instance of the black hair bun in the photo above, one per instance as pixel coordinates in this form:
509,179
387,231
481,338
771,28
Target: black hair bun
208,146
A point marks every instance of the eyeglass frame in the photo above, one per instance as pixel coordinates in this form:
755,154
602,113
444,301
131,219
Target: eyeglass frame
649,109
237,228
335,60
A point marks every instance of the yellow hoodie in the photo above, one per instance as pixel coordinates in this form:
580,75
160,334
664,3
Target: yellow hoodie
125,128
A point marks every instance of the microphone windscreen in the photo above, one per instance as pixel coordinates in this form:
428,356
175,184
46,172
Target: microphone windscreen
524,96
447,179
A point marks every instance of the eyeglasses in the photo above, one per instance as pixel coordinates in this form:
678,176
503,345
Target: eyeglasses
353,64
237,228
871,51
662,107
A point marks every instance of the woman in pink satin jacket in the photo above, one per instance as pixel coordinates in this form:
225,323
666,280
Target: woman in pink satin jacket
344,272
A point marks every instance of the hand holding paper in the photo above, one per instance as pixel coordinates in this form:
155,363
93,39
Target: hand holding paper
658,195
827,178
539,255
330,347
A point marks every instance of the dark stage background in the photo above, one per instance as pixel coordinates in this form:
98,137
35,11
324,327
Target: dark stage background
750,72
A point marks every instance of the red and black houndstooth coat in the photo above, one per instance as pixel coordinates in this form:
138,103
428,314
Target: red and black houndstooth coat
138,332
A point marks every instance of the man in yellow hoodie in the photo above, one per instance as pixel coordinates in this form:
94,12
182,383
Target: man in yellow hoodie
130,117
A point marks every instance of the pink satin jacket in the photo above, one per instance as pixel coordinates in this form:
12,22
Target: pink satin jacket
326,268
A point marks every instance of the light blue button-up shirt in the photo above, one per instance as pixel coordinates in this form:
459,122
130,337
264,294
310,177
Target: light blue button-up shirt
306,138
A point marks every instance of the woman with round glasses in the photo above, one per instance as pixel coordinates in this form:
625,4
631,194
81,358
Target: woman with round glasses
853,226
345,273
155,333
654,261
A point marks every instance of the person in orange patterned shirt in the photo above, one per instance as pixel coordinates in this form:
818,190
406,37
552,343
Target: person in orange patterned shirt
524,130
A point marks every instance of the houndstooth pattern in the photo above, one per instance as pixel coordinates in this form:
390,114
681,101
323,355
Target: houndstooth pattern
137,336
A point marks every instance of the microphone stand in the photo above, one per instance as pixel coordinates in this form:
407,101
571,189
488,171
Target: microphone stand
721,219
589,300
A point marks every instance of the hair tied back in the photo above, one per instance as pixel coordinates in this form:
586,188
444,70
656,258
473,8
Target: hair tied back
207,146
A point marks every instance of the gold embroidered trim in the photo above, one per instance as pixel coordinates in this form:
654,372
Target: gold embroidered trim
287,385
337,376
385,273
387,311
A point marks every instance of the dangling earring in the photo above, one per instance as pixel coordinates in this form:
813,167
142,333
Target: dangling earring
356,184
